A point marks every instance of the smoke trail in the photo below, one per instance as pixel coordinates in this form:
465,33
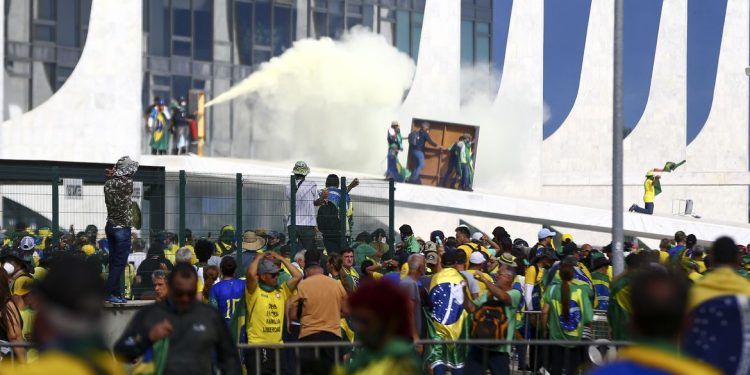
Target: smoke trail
327,102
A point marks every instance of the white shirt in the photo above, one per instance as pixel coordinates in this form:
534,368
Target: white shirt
307,194
136,258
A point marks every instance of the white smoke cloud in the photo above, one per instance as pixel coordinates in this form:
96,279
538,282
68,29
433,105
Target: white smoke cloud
327,102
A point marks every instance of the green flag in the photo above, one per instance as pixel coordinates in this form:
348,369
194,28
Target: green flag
671,166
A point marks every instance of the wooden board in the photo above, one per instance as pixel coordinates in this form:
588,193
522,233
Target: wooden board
436,162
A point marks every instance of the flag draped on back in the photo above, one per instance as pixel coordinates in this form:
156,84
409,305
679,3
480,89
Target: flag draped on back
447,298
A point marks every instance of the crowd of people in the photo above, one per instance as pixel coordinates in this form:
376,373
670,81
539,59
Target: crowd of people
459,173
681,308
164,119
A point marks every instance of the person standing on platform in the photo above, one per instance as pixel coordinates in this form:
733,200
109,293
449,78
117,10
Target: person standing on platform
117,191
307,198
417,140
158,123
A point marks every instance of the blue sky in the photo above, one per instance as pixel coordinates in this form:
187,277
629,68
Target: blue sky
565,26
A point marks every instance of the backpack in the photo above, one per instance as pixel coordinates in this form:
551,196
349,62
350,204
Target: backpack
490,323
328,217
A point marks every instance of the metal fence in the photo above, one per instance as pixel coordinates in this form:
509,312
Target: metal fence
295,358
69,197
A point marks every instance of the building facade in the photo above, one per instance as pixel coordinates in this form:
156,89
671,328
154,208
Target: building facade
209,45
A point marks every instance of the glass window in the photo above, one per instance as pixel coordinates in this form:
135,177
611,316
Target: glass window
243,15
67,24
45,10
335,25
180,48
262,30
402,31
467,42
180,86
204,30
158,28
44,33
261,56
161,80
482,49
416,33
368,16
282,37
199,84
320,24
182,22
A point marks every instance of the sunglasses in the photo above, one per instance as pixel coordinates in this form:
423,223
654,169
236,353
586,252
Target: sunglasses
273,274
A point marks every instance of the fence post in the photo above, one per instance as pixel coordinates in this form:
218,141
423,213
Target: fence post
181,214
55,204
293,214
238,212
391,216
342,213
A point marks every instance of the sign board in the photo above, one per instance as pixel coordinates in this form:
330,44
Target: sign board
73,188
137,195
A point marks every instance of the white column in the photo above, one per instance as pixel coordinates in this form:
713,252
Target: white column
96,115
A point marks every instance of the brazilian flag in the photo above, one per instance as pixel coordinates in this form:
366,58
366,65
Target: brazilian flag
447,319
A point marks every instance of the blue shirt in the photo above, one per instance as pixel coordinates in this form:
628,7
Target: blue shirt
226,294
334,196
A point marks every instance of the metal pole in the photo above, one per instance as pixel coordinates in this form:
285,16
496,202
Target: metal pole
391,215
55,204
617,133
342,214
183,183
293,214
238,212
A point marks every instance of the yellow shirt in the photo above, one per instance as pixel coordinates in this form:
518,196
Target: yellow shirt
265,320
482,286
694,276
649,191
54,362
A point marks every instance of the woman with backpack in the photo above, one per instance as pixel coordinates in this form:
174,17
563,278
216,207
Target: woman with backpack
567,309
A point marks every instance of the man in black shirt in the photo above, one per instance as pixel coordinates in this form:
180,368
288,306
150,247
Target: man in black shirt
417,140
195,331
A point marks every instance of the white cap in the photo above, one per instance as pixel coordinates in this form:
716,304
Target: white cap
476,258
477,236
544,233
27,243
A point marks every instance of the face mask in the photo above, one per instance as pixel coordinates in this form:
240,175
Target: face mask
266,288
9,269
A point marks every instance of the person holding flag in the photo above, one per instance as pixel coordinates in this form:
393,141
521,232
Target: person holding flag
447,317
652,187
649,187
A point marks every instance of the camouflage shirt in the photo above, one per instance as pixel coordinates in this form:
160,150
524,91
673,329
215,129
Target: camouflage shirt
117,192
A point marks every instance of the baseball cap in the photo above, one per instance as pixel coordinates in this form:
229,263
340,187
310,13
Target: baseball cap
22,286
477,236
567,237
431,258
266,266
27,243
476,258
429,246
544,233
